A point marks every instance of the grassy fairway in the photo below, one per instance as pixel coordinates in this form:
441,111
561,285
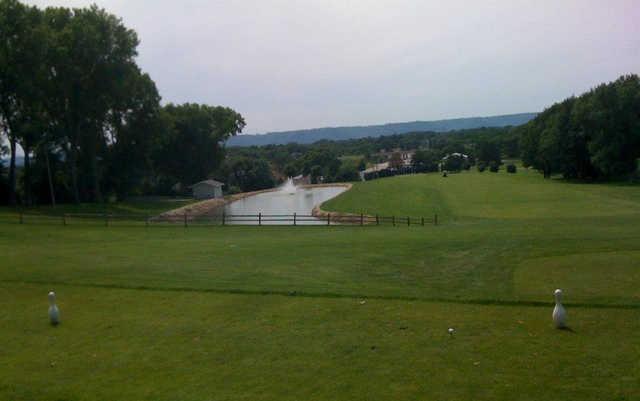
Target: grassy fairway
488,195
275,313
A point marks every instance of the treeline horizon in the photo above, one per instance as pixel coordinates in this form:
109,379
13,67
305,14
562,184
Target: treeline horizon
337,161
89,120
595,136
592,136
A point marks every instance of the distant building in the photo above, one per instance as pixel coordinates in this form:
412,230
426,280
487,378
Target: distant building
405,155
375,168
207,189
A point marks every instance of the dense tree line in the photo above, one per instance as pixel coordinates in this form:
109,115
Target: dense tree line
338,160
88,119
595,135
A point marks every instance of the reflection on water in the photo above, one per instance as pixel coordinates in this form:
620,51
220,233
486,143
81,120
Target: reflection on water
301,201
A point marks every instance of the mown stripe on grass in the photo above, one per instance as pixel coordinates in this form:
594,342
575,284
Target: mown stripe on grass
478,301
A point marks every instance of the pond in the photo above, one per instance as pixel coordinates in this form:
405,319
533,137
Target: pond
285,201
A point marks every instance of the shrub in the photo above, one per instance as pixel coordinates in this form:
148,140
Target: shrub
453,163
511,168
494,167
482,166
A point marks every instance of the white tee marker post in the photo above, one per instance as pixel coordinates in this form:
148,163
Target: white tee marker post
54,312
559,312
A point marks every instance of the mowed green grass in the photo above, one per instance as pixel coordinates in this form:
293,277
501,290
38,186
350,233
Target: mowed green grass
331,313
524,195
155,345
142,206
474,261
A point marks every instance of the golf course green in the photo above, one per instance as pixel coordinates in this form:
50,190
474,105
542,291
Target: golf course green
336,312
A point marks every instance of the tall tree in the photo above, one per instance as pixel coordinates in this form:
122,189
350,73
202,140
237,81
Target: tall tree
611,117
91,55
424,161
193,147
21,52
247,174
135,129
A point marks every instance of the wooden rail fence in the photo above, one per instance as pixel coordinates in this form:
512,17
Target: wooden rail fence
223,219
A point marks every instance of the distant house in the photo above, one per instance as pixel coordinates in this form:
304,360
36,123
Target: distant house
405,156
207,189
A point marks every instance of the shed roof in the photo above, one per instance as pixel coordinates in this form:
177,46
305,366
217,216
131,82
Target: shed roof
211,183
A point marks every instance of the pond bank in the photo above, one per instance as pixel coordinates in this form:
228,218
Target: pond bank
338,217
211,207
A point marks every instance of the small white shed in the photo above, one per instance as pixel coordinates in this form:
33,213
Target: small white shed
207,189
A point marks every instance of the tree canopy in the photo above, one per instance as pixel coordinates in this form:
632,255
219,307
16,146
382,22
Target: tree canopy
88,119
595,135
192,148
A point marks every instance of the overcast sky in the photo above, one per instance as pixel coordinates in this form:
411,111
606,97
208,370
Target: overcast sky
306,63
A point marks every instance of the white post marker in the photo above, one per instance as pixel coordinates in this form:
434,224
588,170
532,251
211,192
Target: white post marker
559,312
54,312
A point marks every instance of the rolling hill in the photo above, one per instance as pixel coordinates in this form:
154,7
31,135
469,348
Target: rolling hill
341,133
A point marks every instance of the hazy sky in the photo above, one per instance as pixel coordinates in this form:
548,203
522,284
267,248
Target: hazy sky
306,63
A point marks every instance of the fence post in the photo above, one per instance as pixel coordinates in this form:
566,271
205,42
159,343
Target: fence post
260,218
361,219
146,220
422,222
435,219
408,221
224,216
393,220
185,219
294,219
328,219
377,220
106,219
64,219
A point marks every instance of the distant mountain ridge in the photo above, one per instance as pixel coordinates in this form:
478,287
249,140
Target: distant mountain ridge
312,135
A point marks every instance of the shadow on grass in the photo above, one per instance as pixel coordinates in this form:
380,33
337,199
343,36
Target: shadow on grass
567,328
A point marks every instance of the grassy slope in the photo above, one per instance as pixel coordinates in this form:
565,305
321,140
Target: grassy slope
150,206
506,239
488,195
458,262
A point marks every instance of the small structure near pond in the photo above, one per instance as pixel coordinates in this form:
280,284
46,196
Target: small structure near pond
207,189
